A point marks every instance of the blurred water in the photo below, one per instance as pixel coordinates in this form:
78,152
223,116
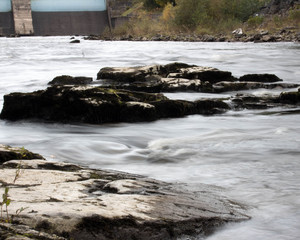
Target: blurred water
253,155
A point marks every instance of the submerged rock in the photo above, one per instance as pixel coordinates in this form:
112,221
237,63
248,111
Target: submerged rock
8,153
91,104
81,203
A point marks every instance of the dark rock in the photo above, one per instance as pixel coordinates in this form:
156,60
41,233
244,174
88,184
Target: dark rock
69,80
289,97
235,86
248,101
93,105
75,41
8,153
262,78
205,74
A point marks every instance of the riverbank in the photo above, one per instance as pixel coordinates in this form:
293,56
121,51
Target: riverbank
288,34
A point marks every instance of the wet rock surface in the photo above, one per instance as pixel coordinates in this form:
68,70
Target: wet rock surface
67,201
133,94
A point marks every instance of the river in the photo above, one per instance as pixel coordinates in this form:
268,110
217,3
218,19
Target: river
253,156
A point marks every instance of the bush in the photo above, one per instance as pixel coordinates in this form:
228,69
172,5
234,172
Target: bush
254,22
192,13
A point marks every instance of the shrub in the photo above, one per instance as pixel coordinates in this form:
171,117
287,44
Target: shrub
255,21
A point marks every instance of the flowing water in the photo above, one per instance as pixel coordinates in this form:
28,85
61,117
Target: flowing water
253,155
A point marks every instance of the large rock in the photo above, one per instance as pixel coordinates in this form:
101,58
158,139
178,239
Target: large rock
8,153
172,70
91,104
181,77
83,204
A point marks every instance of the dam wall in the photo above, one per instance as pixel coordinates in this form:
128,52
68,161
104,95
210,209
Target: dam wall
53,17
6,18
21,10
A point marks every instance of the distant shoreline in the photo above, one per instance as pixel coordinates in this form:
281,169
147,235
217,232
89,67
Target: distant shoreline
263,36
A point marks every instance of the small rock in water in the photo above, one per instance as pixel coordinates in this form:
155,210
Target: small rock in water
69,80
75,41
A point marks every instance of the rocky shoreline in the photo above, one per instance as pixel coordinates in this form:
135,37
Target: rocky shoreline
52,200
288,34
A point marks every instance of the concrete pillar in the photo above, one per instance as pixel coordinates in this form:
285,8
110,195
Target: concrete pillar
22,17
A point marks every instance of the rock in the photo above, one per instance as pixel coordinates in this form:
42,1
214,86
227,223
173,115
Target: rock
83,204
8,153
205,74
90,104
10,231
235,86
173,70
262,78
132,74
268,39
69,80
238,32
248,101
290,97
221,87
75,41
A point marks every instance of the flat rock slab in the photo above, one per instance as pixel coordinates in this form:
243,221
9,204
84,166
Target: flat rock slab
80,203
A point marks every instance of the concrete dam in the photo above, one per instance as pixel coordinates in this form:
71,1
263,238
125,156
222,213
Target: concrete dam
53,17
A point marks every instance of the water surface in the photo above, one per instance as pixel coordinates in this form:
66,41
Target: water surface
253,155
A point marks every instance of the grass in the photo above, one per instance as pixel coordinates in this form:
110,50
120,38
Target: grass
6,201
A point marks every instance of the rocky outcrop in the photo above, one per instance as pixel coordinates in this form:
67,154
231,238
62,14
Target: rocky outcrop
71,202
174,70
132,94
176,77
97,105
8,153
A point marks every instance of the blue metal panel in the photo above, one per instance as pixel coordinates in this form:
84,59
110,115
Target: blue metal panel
5,6
67,5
